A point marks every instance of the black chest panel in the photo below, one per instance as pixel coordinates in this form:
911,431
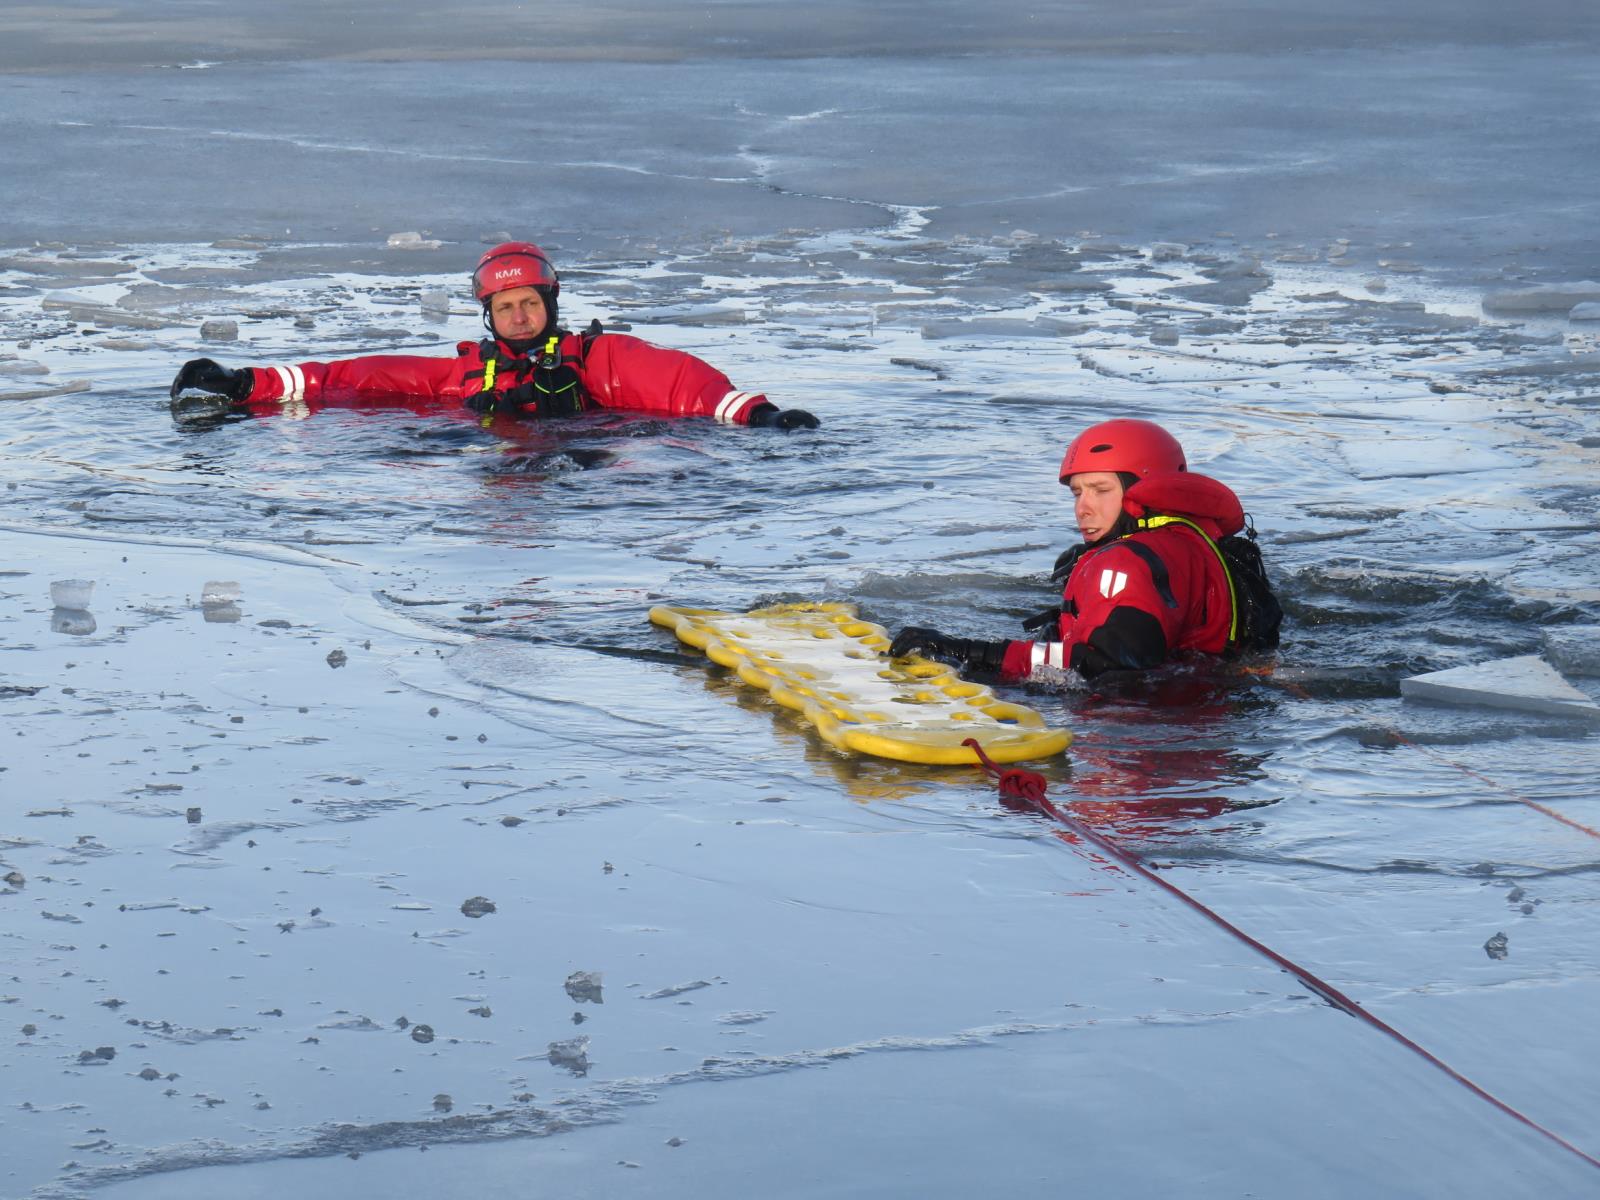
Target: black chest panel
545,384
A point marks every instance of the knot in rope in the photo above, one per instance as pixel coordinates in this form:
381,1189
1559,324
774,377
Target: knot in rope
1023,785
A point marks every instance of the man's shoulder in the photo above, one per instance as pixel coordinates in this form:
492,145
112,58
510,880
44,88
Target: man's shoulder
1149,557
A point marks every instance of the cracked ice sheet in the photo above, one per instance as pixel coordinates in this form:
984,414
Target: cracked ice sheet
281,974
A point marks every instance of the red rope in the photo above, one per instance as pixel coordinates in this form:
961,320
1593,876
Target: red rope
1543,809
1029,787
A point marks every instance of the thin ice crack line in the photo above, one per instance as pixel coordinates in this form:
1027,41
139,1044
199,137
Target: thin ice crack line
267,552
754,180
601,1104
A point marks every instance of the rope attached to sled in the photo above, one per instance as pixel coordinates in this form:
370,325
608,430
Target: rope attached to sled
1028,788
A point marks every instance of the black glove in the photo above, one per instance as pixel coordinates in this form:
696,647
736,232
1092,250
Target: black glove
770,416
1066,560
520,401
204,375
973,653
528,402
1045,618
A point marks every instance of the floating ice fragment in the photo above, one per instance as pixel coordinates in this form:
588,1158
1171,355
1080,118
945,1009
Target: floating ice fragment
477,906
411,240
676,989
573,1054
219,330
1589,310
60,389
97,314
1167,251
1574,649
743,1018
1550,297
1498,946
584,987
64,267
71,593
1526,682
1423,458
435,300
219,591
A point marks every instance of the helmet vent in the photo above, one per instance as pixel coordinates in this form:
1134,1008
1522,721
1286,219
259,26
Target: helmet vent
1101,448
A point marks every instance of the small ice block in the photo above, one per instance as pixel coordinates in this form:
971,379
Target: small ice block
71,593
1574,649
1526,682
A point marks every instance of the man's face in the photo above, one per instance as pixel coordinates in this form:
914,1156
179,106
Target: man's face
1097,504
517,313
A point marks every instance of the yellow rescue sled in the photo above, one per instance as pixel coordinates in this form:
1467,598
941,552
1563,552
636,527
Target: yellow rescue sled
823,661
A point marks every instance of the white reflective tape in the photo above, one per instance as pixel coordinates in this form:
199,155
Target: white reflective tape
1112,582
285,384
299,377
1049,654
728,405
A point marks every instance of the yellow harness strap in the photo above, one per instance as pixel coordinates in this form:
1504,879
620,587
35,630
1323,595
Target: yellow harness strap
1233,598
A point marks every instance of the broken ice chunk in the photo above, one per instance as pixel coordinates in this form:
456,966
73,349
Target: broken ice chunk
219,591
1527,683
1574,649
412,240
71,593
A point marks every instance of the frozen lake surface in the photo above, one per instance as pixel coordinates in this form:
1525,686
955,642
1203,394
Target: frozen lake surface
359,835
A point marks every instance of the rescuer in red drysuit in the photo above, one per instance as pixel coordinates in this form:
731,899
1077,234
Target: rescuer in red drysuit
529,367
1148,584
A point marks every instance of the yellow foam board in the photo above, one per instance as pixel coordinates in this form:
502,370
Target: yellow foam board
823,661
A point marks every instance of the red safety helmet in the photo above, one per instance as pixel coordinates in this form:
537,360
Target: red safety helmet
1136,447
513,265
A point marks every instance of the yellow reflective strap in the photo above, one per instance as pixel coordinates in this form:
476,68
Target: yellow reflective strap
488,374
550,346
1233,597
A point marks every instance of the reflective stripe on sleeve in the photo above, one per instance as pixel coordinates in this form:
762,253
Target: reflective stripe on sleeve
730,404
1050,654
293,382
